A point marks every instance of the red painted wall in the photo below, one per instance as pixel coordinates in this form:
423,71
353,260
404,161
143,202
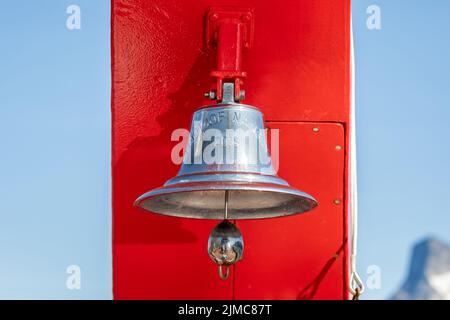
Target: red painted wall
298,74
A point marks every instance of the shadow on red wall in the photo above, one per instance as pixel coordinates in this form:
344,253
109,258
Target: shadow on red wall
146,164
310,290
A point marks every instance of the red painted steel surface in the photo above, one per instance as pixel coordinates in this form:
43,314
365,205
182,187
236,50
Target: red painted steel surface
298,70
303,255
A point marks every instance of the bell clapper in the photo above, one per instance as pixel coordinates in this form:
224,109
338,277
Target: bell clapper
221,267
226,205
227,272
225,244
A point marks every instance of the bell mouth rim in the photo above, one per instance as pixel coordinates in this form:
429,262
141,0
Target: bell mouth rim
304,201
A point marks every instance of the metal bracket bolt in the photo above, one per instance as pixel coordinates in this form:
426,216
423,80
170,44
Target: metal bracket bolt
213,95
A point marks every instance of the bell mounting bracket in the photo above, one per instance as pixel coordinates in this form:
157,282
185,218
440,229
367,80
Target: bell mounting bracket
230,32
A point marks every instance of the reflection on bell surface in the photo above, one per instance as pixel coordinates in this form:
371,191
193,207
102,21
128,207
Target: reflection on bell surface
225,244
227,151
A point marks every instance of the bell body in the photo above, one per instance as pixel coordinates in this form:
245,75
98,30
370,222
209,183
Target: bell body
227,151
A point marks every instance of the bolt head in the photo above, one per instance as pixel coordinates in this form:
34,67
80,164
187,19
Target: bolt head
211,94
242,95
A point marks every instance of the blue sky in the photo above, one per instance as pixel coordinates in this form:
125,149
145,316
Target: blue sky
403,114
55,147
55,142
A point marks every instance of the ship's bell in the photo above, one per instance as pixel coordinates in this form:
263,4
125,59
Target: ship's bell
227,172
227,154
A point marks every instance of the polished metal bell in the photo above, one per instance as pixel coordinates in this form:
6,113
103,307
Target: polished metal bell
227,151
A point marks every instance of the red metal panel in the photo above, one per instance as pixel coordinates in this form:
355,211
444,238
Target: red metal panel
298,70
301,256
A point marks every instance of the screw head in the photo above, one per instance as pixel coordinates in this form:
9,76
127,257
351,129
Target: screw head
337,201
338,148
316,129
246,17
